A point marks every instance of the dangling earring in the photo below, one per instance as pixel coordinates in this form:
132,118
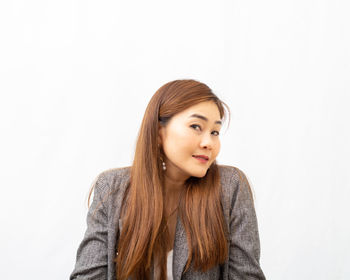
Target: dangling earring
161,159
163,164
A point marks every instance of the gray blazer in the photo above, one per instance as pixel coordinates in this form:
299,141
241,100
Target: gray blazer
97,250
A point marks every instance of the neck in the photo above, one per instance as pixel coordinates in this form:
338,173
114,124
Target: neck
173,186
172,192
174,179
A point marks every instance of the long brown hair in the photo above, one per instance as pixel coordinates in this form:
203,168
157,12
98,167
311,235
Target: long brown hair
143,236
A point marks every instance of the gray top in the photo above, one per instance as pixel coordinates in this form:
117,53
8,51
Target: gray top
96,251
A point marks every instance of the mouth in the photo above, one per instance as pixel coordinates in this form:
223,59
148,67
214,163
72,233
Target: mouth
201,158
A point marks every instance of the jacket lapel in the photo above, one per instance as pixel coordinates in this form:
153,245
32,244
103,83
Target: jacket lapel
180,251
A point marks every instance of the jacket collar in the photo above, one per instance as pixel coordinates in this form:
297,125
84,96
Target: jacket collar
180,251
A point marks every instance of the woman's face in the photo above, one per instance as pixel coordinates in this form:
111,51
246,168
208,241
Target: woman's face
187,136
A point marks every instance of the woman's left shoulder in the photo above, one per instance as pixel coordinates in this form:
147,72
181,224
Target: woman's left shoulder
231,175
233,181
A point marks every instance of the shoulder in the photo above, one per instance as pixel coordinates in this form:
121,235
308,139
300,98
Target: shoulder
231,175
234,184
113,174
110,182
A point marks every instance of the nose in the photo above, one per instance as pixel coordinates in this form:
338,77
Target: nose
206,142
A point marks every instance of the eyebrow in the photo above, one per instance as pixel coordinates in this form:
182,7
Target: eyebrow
203,118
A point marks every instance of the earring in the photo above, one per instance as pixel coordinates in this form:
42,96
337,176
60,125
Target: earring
163,164
161,159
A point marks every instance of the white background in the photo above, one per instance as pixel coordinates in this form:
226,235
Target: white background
76,77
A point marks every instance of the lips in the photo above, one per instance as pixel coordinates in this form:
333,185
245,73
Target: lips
203,157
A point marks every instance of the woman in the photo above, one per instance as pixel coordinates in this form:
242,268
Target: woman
175,213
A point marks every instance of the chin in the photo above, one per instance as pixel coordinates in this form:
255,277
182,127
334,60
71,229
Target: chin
199,174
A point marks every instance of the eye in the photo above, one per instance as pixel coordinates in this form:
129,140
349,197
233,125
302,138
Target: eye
198,128
195,126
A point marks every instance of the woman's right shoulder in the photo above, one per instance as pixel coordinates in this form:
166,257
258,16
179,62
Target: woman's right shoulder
111,182
113,174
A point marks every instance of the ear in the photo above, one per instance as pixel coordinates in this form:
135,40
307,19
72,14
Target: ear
160,133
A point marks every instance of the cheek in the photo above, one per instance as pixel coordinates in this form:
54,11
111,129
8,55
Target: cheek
217,148
180,143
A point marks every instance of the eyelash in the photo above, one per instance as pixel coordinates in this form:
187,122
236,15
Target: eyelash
195,125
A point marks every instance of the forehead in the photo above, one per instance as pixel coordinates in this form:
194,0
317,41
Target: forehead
208,109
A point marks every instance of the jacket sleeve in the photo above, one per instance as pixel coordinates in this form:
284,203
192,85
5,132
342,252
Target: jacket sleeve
91,259
244,236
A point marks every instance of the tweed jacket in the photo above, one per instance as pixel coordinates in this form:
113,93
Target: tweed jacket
97,251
